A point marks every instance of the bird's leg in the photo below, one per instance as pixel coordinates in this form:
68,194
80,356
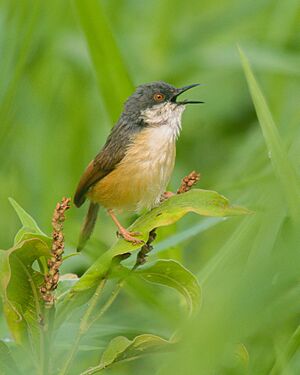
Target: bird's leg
128,236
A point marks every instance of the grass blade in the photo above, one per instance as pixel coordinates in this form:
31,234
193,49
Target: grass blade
279,158
113,78
187,234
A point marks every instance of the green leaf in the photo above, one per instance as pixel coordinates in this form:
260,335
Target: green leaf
202,202
29,224
113,78
24,217
26,235
19,287
116,348
263,58
7,363
279,158
122,349
174,275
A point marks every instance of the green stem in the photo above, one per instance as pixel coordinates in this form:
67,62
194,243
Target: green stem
84,326
114,295
108,303
93,370
87,322
49,317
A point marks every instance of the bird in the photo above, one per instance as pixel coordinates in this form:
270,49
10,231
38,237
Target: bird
132,170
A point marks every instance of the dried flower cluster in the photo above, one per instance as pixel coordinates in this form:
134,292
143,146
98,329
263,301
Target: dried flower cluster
186,184
188,181
52,277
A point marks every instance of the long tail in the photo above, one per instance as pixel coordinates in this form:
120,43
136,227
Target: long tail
88,225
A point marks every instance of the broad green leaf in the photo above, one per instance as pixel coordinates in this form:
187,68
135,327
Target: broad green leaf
21,233
122,349
7,363
19,287
283,168
29,224
173,275
27,235
202,202
113,78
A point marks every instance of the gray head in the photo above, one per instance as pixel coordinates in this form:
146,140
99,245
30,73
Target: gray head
153,104
156,94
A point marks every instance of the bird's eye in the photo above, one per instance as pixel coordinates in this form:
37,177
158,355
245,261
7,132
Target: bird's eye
158,97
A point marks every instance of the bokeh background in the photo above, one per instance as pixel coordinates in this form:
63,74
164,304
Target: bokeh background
57,107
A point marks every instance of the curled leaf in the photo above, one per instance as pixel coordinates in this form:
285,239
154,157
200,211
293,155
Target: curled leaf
121,348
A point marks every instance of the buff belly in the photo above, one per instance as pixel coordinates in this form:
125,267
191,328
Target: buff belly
143,174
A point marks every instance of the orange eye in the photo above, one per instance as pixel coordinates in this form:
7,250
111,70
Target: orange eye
158,97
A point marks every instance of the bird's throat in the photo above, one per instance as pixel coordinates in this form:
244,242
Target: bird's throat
166,115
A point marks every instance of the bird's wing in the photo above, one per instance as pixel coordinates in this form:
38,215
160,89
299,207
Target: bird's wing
98,168
105,162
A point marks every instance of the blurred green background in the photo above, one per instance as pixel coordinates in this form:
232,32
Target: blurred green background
56,109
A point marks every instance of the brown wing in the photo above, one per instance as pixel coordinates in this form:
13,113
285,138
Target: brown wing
91,175
98,168
106,161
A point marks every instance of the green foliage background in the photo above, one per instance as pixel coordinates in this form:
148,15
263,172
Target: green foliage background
66,68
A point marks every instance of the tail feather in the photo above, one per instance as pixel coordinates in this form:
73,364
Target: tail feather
88,225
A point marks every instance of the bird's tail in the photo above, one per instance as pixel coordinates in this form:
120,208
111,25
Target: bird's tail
88,225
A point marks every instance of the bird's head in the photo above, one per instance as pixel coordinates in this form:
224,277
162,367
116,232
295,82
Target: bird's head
157,102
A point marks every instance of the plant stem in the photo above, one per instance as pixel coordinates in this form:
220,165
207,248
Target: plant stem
109,302
93,370
84,326
85,323
49,316
140,260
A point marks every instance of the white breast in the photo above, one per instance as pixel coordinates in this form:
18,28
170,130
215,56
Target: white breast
157,151
153,155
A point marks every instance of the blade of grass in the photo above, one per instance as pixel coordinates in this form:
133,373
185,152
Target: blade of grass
279,158
187,234
22,56
112,75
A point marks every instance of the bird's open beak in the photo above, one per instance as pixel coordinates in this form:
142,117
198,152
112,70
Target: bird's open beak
186,101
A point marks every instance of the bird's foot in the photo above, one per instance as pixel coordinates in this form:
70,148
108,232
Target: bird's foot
166,195
130,236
